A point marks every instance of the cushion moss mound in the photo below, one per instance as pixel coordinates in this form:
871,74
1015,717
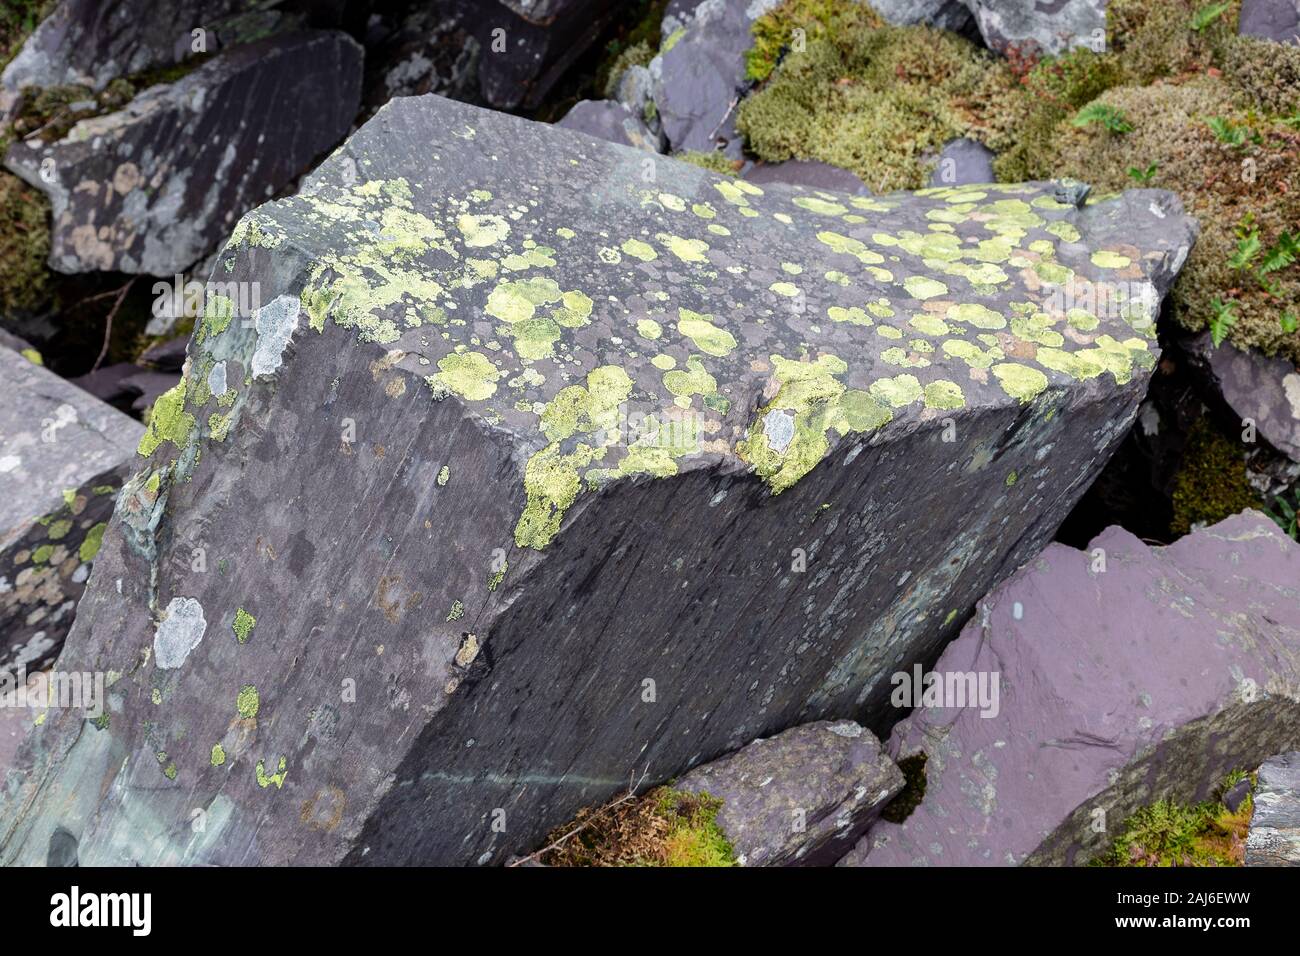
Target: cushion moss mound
877,100
1168,833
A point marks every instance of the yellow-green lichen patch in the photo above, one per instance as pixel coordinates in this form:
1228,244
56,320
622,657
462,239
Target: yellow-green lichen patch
248,702
687,250
91,543
482,231
218,756
922,287
1020,381
649,329
898,391
694,380
243,625
168,421
852,315
1105,259
979,316
708,338
444,475
471,375
265,779
640,250
943,394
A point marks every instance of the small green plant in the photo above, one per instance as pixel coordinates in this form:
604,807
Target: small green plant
1248,246
1225,131
1207,14
1139,175
1289,322
1285,513
1105,115
1166,833
1223,319
1281,254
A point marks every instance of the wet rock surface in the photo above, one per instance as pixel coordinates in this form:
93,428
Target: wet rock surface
154,187
1274,838
520,407
61,451
1086,728
802,797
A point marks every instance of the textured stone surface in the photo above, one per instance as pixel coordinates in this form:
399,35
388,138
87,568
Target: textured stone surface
1029,25
154,187
595,475
1254,386
1149,680
963,162
807,172
1274,837
610,121
943,14
701,74
90,42
59,449
802,797
1277,20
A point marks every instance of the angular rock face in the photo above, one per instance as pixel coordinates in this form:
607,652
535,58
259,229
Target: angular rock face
1274,837
610,121
1049,28
1264,390
1150,679
963,162
90,42
60,449
154,187
1277,20
596,474
802,797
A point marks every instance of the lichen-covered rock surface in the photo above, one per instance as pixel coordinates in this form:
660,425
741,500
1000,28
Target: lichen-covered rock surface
802,797
61,455
154,187
1274,837
1127,674
597,474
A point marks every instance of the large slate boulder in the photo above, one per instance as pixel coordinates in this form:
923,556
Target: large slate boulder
154,187
1032,26
60,454
807,172
603,464
1255,387
1274,836
1125,674
802,797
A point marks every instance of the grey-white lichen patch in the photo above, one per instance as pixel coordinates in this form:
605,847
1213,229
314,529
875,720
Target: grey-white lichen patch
179,632
217,380
778,428
275,324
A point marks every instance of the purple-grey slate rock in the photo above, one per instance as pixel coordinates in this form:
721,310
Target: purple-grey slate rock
1277,20
431,50
941,14
802,797
1236,795
1149,680
563,439
963,162
610,121
1045,27
700,75
154,187
1274,835
1254,386
807,172
60,449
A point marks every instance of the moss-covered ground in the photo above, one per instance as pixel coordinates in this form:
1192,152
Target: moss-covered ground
1168,833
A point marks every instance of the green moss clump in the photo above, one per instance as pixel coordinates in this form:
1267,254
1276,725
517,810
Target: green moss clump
664,827
913,792
1266,73
24,246
1174,834
714,162
638,54
1211,483
18,18
877,100
777,31
1158,38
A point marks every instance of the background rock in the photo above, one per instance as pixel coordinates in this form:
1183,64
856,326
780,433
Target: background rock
940,14
1149,680
530,549
1277,20
802,797
610,121
1254,386
962,162
1274,838
153,188
1046,27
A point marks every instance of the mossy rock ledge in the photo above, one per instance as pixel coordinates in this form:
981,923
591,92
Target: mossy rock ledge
604,466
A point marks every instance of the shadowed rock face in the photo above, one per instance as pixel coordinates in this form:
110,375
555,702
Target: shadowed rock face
595,473
802,797
1149,680
1274,838
1259,389
154,187
60,454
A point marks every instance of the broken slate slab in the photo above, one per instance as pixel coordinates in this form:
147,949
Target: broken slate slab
1080,728
600,471
803,797
963,162
1257,388
1274,836
152,188
1030,26
610,121
1276,20
59,451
